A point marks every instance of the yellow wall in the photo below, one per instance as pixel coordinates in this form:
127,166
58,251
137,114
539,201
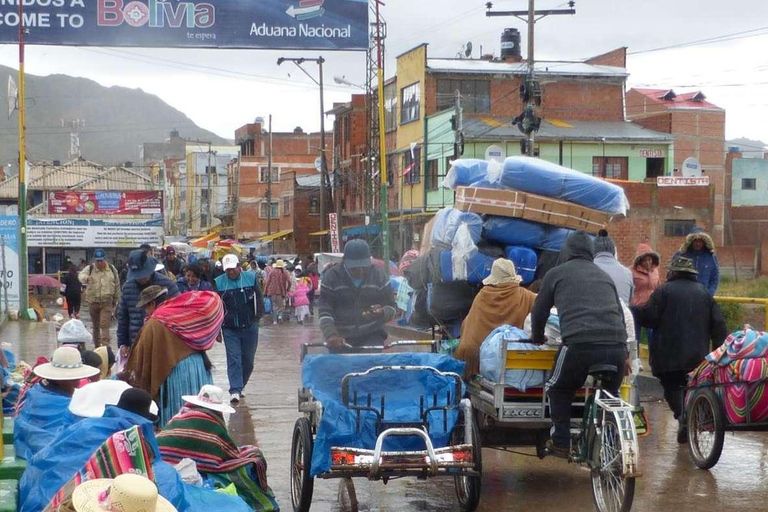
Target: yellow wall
411,68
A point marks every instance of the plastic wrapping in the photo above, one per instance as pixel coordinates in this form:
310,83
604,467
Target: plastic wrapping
477,268
525,260
447,222
41,417
525,233
491,364
464,172
551,328
323,375
450,300
551,180
463,248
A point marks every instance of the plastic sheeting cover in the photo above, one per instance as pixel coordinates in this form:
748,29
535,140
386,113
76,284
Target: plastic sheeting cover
43,415
491,364
478,267
466,172
447,222
323,375
526,233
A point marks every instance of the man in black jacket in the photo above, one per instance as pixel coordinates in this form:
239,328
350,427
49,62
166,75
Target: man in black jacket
356,300
684,318
592,329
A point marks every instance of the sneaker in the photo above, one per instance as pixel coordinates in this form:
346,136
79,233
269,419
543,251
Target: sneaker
234,398
560,453
682,433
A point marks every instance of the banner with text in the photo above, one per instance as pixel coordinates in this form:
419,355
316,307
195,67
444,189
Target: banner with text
84,233
9,259
266,24
105,202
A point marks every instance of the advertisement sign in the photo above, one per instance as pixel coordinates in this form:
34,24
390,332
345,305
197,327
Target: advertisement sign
266,24
105,202
651,153
334,232
679,181
86,233
9,276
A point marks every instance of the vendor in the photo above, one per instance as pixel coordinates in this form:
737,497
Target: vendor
74,334
199,432
501,301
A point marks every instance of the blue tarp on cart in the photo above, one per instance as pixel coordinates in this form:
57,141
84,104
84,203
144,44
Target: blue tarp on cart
323,375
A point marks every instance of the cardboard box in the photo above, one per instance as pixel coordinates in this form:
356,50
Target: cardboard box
513,203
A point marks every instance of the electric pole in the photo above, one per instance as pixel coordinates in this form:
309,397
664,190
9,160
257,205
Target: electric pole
23,268
530,90
382,138
338,191
269,180
210,188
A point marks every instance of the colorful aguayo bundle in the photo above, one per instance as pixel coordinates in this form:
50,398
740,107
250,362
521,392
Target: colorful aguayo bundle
195,317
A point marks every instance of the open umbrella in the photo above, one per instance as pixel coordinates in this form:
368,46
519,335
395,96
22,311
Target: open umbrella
43,280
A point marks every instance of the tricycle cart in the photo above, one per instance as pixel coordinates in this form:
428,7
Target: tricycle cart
374,402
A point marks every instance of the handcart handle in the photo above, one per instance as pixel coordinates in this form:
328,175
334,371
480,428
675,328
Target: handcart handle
406,432
451,375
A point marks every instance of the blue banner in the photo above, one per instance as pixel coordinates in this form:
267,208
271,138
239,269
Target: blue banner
263,24
9,259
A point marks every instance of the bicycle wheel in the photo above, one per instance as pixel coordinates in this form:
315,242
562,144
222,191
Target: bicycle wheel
302,484
611,490
468,487
706,428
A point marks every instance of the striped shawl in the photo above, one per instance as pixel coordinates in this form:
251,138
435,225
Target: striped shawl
195,317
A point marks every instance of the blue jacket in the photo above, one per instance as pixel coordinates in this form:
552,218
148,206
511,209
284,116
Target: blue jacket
130,319
704,261
243,303
202,286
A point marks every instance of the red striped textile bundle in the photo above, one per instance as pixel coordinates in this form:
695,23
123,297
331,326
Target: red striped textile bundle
195,317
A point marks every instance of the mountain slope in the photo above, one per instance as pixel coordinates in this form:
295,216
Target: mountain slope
117,120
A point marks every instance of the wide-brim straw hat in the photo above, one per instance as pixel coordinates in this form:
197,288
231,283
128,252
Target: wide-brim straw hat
66,364
126,493
502,272
210,397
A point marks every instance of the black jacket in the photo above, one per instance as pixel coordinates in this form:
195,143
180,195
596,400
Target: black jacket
342,305
585,297
130,319
684,318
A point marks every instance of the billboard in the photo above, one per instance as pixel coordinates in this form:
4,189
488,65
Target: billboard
9,275
84,233
264,24
105,202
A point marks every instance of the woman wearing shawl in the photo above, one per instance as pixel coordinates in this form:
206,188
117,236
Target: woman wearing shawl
501,301
169,358
199,432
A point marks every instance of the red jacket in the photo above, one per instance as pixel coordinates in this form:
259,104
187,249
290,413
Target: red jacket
278,283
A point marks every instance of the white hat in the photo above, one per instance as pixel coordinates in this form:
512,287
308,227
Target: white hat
91,400
74,332
159,267
66,364
210,397
126,493
230,261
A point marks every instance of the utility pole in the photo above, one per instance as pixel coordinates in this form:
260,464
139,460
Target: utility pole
338,191
382,138
530,92
23,270
269,180
210,188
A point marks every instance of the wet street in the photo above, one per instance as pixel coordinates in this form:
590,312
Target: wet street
511,482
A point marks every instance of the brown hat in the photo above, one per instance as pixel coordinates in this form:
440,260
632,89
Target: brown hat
149,294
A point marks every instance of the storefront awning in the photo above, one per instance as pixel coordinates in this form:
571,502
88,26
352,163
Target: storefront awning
275,236
202,242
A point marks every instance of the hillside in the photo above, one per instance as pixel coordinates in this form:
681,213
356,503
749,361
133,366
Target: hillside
117,120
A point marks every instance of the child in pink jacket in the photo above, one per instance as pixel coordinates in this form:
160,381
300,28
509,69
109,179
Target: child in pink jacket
301,300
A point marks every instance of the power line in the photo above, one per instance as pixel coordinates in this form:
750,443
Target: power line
744,34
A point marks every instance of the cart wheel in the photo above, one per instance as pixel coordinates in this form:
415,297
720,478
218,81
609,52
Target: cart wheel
468,487
706,428
347,495
302,483
611,490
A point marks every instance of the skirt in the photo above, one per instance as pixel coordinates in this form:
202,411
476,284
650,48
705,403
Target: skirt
302,312
186,378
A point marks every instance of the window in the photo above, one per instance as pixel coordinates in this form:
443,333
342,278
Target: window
314,205
611,167
264,174
678,228
431,179
412,167
410,101
287,205
390,107
210,169
475,95
748,184
264,210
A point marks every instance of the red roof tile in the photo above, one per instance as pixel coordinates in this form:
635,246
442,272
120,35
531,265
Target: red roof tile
668,97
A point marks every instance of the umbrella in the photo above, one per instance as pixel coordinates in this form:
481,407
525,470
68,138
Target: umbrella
43,280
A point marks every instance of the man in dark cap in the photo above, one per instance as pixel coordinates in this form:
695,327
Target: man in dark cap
684,318
130,317
356,300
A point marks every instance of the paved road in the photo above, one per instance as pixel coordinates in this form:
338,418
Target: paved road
510,482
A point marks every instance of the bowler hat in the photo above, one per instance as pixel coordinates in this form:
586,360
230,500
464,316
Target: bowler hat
140,265
137,401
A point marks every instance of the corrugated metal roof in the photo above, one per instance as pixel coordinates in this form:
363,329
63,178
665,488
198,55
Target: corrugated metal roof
499,128
311,180
547,68
688,100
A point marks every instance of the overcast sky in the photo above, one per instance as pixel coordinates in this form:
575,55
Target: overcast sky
224,89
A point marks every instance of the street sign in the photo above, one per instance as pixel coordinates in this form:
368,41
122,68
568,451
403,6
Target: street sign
264,24
334,232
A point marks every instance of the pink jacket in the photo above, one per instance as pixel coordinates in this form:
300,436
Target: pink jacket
645,282
300,297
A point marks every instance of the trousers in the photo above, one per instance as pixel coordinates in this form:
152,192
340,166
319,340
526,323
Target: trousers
568,375
240,345
674,385
101,317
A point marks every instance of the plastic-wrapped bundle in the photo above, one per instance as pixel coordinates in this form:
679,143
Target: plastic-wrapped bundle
478,267
525,260
491,364
447,222
467,172
551,180
524,232
450,300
